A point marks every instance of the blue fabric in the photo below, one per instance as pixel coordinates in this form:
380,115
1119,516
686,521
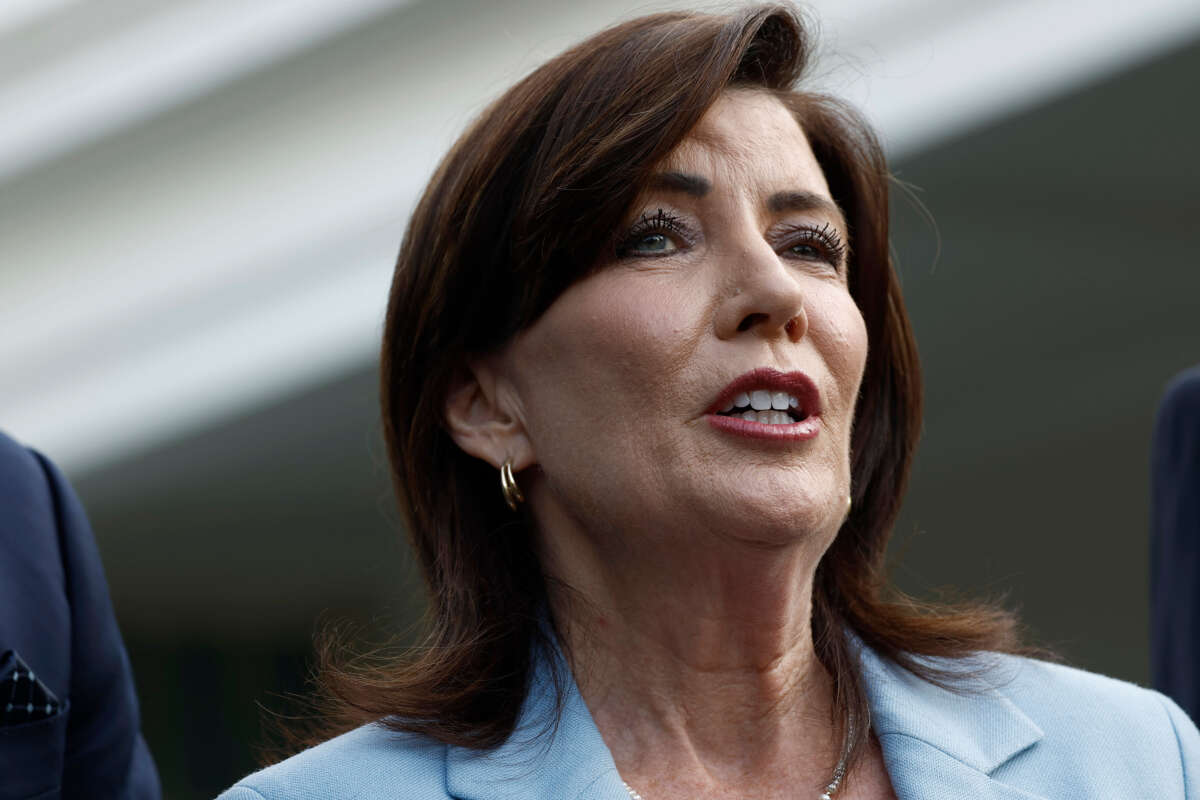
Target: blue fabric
1175,543
1026,730
57,621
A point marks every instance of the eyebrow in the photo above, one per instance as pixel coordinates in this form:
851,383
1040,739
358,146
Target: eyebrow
806,201
798,200
692,185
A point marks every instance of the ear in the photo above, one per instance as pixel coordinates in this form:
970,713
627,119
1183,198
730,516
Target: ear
482,416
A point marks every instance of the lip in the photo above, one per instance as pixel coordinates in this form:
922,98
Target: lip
794,383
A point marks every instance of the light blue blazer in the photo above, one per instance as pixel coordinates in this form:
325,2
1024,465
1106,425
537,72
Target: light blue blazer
1036,730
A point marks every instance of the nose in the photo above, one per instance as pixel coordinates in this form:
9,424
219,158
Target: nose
765,298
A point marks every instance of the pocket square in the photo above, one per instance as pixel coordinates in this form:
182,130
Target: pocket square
23,698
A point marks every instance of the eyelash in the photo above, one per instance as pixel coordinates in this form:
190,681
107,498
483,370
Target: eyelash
662,223
825,238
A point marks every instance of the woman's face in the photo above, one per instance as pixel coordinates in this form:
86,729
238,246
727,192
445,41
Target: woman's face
728,288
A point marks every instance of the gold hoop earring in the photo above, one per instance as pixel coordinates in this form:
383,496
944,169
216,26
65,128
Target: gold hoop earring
508,486
849,504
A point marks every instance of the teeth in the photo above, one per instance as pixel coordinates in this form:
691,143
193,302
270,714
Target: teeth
770,417
761,400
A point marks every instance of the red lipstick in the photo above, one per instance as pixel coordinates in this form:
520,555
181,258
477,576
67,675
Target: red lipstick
806,422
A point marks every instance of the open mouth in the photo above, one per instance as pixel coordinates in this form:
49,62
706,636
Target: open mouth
765,407
780,406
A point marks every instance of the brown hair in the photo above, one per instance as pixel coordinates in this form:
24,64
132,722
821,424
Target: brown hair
517,211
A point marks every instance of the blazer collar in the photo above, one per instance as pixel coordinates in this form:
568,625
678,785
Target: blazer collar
937,744
541,759
940,744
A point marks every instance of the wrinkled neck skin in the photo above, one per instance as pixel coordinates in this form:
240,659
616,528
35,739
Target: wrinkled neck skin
697,662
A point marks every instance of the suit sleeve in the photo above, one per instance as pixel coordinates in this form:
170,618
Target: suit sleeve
1187,738
106,756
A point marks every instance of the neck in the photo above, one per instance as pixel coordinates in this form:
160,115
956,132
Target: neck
698,667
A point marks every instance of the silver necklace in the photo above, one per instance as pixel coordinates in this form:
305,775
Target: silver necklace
839,772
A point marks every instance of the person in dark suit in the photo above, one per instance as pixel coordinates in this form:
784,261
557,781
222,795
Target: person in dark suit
1175,543
69,724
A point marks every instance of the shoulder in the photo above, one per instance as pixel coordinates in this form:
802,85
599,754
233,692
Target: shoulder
1096,723
38,507
35,614
45,535
14,455
369,762
26,488
50,560
1051,692
1179,408
1029,725
1183,391
1047,698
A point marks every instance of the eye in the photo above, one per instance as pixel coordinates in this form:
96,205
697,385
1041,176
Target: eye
652,243
805,251
651,236
812,243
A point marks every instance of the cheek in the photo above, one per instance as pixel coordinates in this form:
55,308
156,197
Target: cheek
626,326
856,345
607,347
845,345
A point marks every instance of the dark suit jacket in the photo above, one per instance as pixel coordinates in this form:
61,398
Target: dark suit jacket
56,616
1175,544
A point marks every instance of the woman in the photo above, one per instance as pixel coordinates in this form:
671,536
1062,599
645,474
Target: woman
650,290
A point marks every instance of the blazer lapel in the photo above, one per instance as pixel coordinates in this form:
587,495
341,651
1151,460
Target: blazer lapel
946,745
541,760
937,744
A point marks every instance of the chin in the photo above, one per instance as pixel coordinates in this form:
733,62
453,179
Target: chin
772,517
